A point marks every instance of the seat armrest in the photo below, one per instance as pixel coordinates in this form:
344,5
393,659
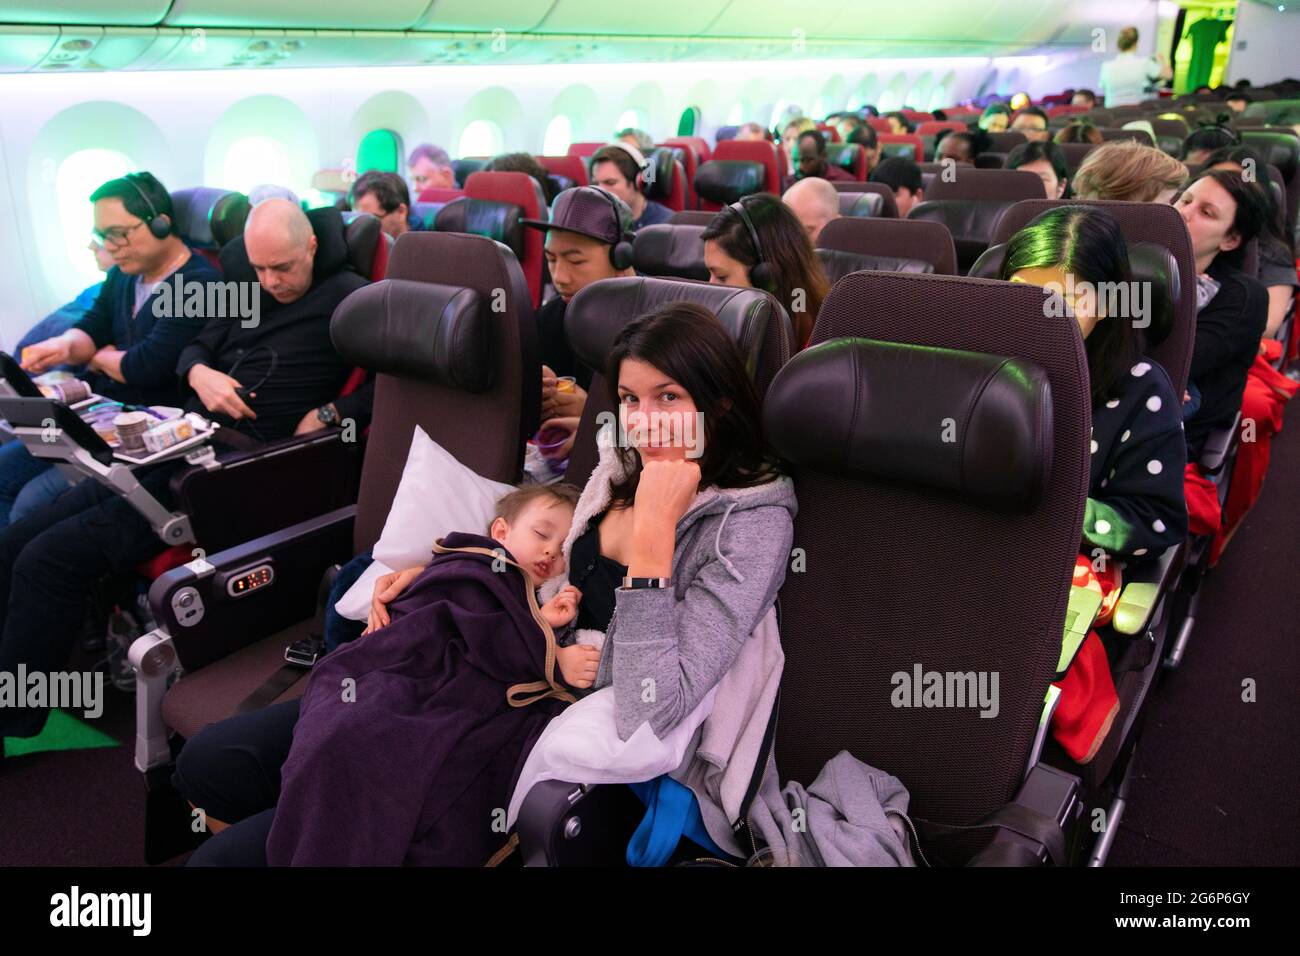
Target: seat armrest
575,824
1047,793
1084,606
209,617
1217,446
1144,586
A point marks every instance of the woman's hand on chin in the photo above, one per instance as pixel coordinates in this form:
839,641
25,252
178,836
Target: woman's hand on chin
663,494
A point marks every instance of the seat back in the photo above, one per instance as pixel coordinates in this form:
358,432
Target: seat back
901,239
584,150
696,145
481,217
208,218
756,321
970,183
837,264
665,179
451,355
934,127
426,213
720,182
1281,148
970,221
670,250
685,151
770,155
906,145
1140,222
1075,153
888,205
1005,141
367,244
526,193
437,194
465,167
860,205
882,491
692,217
573,168
850,157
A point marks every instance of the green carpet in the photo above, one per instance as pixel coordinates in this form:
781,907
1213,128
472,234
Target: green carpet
62,732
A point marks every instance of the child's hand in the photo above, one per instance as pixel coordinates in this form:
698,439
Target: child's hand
578,664
562,608
387,589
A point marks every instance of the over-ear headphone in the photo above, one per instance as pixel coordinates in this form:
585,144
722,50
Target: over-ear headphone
160,224
760,273
620,253
642,164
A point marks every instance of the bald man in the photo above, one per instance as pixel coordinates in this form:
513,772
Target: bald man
814,202
258,376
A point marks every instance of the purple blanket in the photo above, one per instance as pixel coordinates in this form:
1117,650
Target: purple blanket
407,749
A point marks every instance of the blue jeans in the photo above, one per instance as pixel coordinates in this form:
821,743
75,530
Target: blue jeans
39,492
17,468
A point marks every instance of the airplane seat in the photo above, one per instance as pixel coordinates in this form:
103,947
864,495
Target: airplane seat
522,191
437,194
916,116
860,205
665,182
572,168
1007,185
770,155
1065,109
584,150
934,127
465,167
449,359
1005,141
902,239
426,212
850,157
696,145
670,251
367,244
972,223
907,145
756,321
720,182
830,132
837,264
1075,153
208,218
1281,148
888,205
991,160
880,124
691,217
1015,500
690,162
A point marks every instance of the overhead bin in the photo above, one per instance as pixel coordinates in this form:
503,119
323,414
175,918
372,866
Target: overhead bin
485,15
140,13
683,18
301,14
22,47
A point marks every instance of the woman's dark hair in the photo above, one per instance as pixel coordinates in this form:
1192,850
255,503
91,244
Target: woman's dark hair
688,344
1087,244
1081,131
902,120
798,281
1211,137
524,163
1252,215
1274,231
1027,153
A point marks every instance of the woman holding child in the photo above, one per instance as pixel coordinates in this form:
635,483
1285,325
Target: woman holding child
675,560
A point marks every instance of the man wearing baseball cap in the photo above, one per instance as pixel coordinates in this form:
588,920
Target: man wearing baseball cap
588,238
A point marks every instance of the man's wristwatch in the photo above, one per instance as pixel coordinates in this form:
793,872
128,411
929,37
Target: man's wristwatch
636,584
327,415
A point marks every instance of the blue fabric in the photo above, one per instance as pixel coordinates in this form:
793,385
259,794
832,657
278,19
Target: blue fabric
39,492
17,468
338,629
1193,403
672,812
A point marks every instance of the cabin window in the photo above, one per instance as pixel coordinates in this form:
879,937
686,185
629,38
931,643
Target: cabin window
253,160
79,175
481,138
630,118
380,149
559,134
737,114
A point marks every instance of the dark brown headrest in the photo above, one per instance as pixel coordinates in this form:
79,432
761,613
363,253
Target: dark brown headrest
659,174
417,329
860,205
725,180
964,423
971,222
837,263
208,218
501,221
600,311
669,250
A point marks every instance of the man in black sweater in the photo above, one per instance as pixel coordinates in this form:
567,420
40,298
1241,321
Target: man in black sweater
258,381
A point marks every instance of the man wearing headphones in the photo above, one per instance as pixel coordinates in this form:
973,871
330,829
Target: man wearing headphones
588,238
129,352
621,169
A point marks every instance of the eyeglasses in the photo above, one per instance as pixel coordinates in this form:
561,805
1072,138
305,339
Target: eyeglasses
116,235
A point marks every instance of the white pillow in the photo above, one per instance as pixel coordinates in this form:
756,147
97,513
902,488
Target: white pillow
437,495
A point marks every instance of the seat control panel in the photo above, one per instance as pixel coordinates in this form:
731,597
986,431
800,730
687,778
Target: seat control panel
187,606
246,580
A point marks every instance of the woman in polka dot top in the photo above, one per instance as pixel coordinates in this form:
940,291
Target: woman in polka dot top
1135,493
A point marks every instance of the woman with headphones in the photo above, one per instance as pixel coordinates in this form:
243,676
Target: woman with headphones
758,243
621,169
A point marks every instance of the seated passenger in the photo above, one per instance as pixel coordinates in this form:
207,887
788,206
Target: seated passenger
1084,98
430,168
790,141
1046,161
1135,502
721,526
1032,121
1080,132
758,243
525,163
750,133
1128,171
50,560
66,316
587,225
385,196
866,137
960,147
1223,213
619,169
1200,144
813,161
1237,101
1277,268
638,139
903,176
846,123
995,118
899,124
129,339
814,202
